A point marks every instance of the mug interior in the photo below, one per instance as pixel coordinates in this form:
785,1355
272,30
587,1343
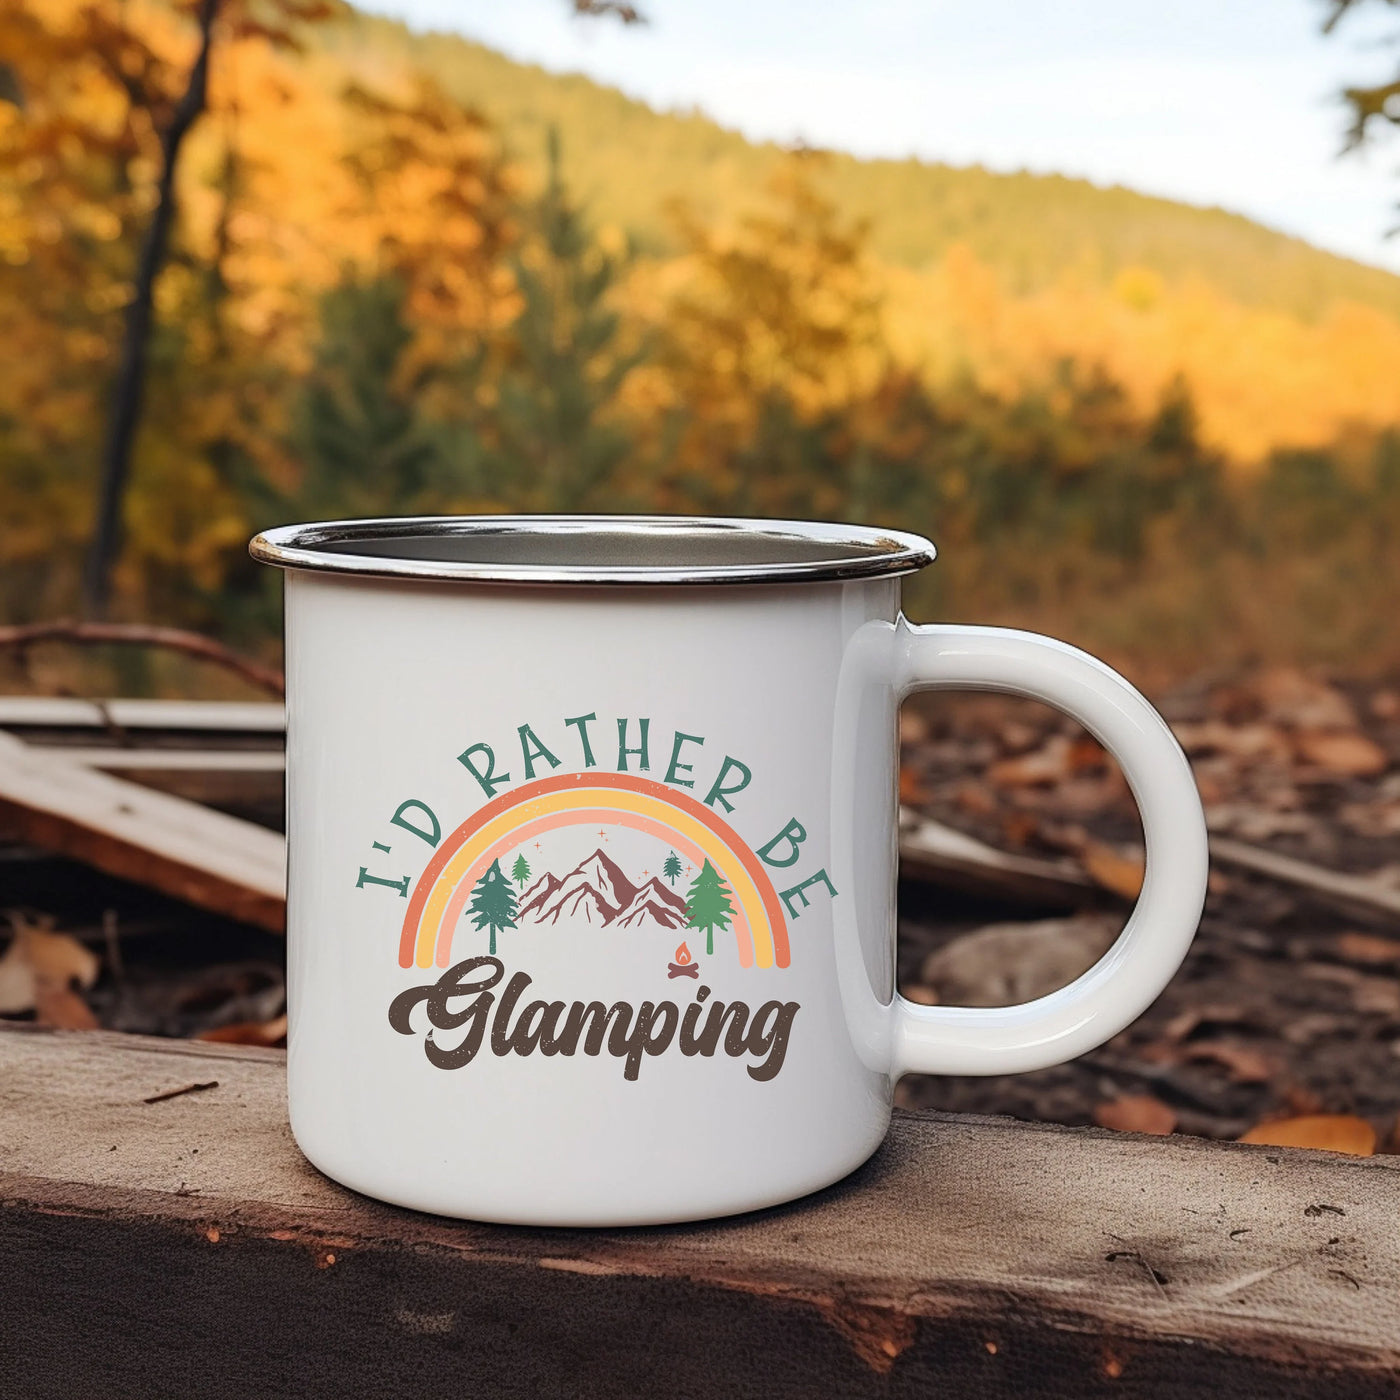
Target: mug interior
595,549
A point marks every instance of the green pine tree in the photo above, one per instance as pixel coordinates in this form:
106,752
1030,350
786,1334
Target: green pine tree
708,905
358,432
672,868
493,903
557,439
520,871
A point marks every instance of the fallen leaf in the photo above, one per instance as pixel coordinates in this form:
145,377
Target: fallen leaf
1302,1102
1087,795
1212,1013
1244,1064
912,791
253,1032
975,799
1368,948
1086,755
1019,828
1379,996
1313,1025
1135,1113
1344,752
58,958
62,1008
1325,1132
913,727
921,996
1113,869
1251,822
1016,736
40,961
1243,742
1040,768
17,982
1290,697
1385,704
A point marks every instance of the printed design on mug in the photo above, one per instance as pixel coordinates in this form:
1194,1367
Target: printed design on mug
598,881
730,892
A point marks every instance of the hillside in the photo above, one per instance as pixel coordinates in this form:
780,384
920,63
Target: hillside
628,161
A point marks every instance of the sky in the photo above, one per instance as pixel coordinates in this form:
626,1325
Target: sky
1215,102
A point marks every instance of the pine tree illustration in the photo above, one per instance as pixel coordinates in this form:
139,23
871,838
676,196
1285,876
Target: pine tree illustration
708,905
672,868
520,871
493,903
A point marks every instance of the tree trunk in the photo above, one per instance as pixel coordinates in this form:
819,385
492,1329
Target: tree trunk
129,389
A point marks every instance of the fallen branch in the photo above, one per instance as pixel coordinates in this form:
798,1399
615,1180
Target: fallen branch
940,855
936,854
181,1091
1358,894
144,635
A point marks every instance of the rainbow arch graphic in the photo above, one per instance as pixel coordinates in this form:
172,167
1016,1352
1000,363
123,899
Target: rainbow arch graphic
623,799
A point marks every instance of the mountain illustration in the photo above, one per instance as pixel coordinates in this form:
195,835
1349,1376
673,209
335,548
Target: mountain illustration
577,899
654,903
598,891
606,876
537,896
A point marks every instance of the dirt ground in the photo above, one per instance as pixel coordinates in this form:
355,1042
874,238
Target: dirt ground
1288,1003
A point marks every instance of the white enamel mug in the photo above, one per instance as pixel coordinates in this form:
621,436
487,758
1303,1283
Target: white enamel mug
593,842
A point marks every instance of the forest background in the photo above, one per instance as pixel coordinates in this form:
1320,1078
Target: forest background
405,275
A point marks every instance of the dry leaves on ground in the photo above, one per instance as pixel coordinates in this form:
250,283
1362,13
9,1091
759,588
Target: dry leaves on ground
271,1032
1135,1113
1326,1132
41,971
1369,948
1120,872
1346,752
1243,1063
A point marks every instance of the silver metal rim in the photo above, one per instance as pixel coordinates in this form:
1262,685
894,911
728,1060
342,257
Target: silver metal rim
869,552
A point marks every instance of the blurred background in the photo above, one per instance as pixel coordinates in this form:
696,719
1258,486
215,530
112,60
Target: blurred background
1098,295
1100,304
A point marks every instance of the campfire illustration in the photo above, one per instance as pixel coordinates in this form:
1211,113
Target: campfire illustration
684,965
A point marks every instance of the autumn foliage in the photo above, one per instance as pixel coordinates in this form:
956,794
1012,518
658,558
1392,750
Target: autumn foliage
385,296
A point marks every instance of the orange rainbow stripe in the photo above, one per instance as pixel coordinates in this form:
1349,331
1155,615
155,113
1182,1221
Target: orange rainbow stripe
624,799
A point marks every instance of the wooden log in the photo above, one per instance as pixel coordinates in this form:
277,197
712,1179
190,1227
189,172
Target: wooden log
183,1246
172,845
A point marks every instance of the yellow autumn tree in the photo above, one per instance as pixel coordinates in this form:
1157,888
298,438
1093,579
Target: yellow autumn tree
771,324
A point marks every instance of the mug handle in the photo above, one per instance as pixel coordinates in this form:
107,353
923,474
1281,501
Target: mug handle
1129,977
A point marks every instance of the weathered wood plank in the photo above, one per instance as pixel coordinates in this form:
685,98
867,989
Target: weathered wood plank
185,1247
213,716
135,760
247,783
204,857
